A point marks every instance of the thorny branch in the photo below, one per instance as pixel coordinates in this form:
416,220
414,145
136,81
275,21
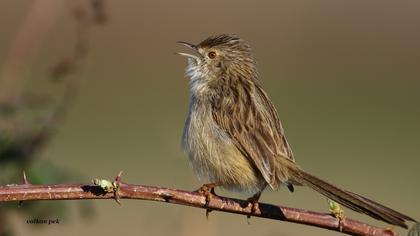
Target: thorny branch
27,191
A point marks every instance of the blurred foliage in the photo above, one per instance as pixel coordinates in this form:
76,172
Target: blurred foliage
27,125
23,133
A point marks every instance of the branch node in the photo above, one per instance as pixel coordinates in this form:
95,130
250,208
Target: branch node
109,187
166,196
116,185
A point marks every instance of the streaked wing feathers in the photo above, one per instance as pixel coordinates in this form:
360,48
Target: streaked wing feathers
252,123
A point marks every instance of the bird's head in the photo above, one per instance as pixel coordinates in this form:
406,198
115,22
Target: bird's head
218,57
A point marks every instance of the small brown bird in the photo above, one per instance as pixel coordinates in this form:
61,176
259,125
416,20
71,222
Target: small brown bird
233,135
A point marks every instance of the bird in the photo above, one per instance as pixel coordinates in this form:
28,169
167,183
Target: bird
233,135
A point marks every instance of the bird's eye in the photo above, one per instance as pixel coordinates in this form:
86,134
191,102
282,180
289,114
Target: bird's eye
211,55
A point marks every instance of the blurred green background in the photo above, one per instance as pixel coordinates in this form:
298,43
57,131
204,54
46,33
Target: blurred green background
344,76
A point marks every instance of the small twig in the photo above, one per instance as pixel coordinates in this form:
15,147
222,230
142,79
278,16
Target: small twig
26,192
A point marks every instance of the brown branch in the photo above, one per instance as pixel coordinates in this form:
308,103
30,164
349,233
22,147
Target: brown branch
27,191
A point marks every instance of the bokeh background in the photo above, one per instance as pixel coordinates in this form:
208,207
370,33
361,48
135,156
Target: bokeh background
344,76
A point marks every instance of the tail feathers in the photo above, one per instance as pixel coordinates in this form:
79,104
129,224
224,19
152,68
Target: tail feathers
352,200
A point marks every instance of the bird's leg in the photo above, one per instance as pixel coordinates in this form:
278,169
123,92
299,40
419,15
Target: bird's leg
254,201
208,191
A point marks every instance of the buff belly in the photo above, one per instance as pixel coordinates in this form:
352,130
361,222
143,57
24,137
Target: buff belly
214,157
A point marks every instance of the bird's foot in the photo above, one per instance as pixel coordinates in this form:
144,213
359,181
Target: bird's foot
254,205
208,191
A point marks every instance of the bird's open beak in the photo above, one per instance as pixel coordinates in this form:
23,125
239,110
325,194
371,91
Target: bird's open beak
196,54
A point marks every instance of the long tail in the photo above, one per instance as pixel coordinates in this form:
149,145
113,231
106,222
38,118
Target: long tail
351,200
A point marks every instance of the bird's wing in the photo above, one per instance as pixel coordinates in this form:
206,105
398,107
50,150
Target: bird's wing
254,126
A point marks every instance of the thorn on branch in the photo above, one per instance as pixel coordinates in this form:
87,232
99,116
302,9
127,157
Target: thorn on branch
118,178
25,179
25,182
